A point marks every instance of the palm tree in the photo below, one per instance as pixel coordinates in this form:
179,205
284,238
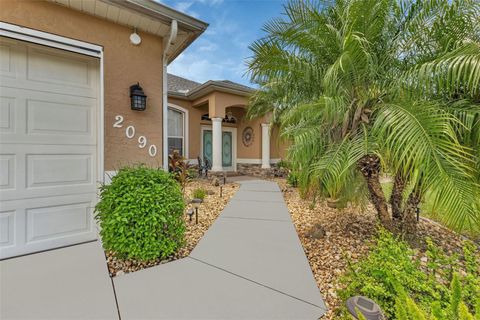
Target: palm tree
365,88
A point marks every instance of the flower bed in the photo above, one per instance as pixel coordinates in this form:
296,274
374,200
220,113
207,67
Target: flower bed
208,212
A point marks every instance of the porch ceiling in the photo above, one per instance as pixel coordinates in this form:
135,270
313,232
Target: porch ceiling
218,102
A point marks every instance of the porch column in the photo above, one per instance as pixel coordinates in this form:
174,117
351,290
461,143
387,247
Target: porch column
265,145
217,144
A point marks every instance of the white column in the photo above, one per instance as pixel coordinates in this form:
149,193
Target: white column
265,145
217,144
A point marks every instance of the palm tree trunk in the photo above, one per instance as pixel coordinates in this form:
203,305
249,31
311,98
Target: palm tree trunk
409,225
369,166
397,197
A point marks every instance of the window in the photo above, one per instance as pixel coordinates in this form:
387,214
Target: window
176,131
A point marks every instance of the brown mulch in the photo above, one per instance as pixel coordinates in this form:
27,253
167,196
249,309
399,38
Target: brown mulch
207,213
333,237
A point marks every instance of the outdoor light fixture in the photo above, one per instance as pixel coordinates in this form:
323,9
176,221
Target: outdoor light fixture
190,214
138,98
224,182
196,204
367,307
135,39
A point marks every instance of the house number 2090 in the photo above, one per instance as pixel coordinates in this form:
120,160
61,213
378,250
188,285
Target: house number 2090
130,134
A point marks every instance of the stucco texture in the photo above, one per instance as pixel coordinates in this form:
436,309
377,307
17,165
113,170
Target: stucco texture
124,65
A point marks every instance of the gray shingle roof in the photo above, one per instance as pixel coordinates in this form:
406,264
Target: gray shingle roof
236,84
184,86
181,85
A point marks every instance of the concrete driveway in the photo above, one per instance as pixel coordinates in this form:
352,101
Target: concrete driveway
66,283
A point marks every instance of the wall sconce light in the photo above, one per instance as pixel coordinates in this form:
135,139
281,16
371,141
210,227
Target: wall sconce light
138,98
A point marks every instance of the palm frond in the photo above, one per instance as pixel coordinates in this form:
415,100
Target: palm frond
420,137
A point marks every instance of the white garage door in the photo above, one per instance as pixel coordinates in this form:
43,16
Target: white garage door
48,147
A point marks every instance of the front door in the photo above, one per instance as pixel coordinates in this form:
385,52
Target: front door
227,151
227,148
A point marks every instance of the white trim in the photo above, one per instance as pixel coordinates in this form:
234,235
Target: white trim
185,127
50,40
108,175
167,45
234,144
101,125
256,161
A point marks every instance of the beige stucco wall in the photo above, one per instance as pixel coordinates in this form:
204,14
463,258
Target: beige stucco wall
278,146
124,65
253,151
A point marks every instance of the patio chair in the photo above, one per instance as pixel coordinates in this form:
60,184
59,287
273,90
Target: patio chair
203,167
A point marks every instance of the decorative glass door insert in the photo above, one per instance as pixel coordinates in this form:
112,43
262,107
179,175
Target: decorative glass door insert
227,147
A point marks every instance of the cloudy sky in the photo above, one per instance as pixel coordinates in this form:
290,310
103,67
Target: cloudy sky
220,52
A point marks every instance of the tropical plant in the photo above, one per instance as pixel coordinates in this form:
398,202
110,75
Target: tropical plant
179,167
370,88
141,214
390,258
407,309
392,275
292,179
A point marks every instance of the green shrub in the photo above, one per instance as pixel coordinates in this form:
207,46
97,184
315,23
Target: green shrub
140,214
199,193
390,258
407,309
284,164
393,276
292,179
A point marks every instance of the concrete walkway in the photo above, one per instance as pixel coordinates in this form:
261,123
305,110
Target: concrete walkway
66,283
249,265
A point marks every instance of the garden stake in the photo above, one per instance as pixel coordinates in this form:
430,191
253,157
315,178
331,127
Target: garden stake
196,215
221,192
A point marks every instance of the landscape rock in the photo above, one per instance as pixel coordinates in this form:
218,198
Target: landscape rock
350,232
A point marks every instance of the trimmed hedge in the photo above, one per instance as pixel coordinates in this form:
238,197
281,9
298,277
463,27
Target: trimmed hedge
140,214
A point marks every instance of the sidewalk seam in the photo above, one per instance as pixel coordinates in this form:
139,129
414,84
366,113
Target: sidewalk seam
261,219
113,285
249,200
258,283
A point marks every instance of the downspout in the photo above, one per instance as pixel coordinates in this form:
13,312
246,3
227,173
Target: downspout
167,45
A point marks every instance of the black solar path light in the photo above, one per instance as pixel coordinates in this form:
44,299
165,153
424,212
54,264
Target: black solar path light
196,204
190,214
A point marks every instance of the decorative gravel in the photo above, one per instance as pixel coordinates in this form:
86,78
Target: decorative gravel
332,237
207,213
